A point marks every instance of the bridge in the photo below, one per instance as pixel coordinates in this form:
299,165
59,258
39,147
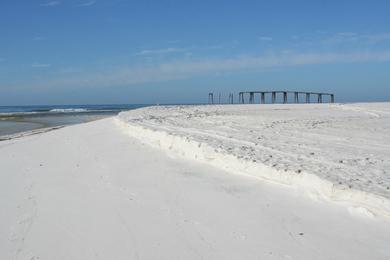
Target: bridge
262,94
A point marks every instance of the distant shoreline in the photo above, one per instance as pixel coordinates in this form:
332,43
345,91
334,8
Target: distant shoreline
29,133
19,119
11,129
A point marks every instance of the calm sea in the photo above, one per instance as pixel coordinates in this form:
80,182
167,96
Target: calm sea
15,119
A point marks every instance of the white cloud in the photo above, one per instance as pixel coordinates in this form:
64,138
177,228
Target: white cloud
40,65
347,34
51,3
377,37
39,38
186,69
69,71
213,47
265,38
160,51
349,37
173,41
88,3
341,37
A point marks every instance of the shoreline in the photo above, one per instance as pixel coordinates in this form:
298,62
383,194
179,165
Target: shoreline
30,132
16,119
43,123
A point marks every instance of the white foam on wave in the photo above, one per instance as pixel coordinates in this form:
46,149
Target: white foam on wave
68,110
17,113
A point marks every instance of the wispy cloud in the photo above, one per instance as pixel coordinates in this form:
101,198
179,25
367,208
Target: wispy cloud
341,37
39,38
265,38
173,41
69,71
51,3
160,51
349,37
40,65
377,37
87,3
213,47
186,69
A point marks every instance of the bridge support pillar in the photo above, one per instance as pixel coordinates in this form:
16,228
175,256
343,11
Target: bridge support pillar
284,97
273,97
251,97
307,97
296,97
262,98
319,98
211,98
242,101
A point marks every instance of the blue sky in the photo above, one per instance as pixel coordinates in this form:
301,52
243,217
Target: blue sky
118,51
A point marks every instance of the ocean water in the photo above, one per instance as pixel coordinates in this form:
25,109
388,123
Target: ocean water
16,119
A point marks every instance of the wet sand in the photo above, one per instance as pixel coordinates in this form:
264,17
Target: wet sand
18,124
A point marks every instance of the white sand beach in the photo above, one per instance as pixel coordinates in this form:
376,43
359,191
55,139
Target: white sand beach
339,152
202,182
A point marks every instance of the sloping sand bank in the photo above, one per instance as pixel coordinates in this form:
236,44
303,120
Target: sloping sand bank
337,152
